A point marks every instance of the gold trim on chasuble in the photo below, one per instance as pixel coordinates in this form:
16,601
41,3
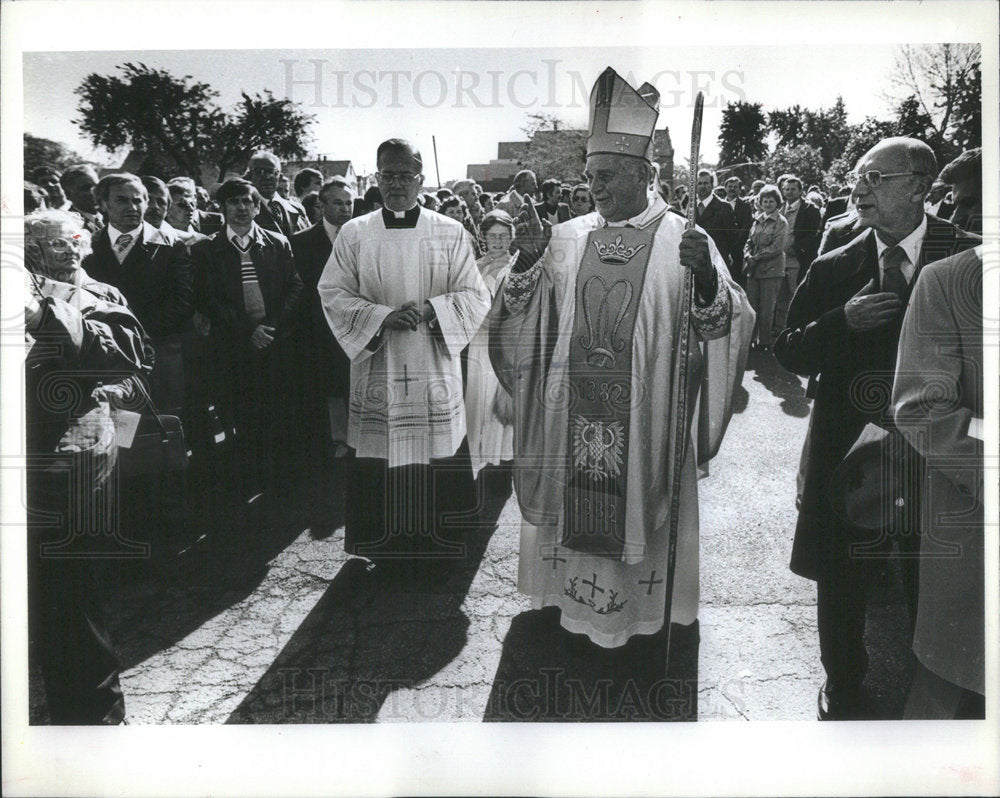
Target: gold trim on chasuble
608,289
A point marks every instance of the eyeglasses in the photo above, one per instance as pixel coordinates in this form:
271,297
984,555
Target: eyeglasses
57,245
874,178
395,179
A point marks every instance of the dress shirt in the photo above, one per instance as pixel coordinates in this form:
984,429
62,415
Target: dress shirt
331,230
242,241
910,245
114,234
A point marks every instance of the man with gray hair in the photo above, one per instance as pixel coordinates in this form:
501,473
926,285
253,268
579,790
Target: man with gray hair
277,213
153,271
843,327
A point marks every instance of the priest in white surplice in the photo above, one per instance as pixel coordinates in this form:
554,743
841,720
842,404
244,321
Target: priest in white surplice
403,296
584,339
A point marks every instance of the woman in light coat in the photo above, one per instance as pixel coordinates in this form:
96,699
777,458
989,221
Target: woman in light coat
764,262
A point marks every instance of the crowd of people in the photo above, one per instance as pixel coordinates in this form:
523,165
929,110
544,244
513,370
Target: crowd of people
455,345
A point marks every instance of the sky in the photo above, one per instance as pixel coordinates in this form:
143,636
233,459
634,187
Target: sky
469,99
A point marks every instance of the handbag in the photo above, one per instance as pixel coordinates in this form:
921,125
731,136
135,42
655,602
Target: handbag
158,446
876,487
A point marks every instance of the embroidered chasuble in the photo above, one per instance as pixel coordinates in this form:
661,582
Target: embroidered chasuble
584,341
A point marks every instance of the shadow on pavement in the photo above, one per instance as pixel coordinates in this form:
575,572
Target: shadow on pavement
152,604
783,384
549,674
376,630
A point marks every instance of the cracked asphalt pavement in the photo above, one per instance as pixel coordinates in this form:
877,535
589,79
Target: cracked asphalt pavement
285,628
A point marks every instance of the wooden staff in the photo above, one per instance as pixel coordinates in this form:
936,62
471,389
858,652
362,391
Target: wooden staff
678,429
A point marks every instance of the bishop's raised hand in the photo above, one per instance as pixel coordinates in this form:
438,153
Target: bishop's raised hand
531,236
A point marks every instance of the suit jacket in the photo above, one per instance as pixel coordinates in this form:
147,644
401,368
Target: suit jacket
207,223
155,278
839,230
806,233
944,346
743,213
325,361
92,222
562,212
855,370
217,264
293,217
718,220
835,207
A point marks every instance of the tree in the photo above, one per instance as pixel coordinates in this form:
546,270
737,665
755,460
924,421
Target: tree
913,122
263,122
803,161
554,151
944,80
179,119
825,129
45,152
860,138
741,133
968,110
787,125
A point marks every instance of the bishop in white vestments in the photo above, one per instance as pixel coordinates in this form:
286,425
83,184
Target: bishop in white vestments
585,340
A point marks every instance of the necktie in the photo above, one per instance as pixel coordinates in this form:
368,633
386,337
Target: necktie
278,212
892,276
121,245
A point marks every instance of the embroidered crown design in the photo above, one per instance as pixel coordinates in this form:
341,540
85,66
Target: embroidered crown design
616,252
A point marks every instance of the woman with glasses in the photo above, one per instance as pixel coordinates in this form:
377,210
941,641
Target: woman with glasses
488,408
80,339
580,201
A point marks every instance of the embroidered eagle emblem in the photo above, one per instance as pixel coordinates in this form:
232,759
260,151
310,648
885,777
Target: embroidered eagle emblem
597,447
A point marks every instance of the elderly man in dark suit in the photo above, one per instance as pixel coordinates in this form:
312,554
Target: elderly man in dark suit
843,326
277,213
153,271
716,218
326,370
249,291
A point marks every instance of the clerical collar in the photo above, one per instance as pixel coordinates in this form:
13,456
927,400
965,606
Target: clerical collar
401,220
